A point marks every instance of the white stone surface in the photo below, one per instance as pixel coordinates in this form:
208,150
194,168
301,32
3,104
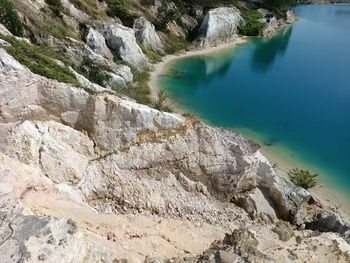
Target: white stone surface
219,25
146,35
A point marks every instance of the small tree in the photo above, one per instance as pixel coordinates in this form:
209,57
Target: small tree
118,8
9,18
303,178
55,6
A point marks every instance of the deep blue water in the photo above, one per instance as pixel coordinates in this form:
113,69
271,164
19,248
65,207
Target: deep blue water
293,90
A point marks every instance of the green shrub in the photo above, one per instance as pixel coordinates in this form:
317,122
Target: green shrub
90,7
140,90
279,7
303,178
95,72
166,15
40,60
154,56
9,18
55,6
147,3
175,44
252,26
117,8
160,102
58,31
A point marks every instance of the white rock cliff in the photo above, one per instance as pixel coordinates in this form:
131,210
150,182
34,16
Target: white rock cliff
220,25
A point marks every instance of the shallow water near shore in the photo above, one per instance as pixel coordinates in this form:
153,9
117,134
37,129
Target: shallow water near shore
288,92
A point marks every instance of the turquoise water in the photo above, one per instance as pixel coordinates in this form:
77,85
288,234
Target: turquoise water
293,90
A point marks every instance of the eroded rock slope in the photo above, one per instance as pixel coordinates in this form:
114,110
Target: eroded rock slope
97,178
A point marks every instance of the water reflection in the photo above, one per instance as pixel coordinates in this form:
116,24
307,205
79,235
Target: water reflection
266,51
203,69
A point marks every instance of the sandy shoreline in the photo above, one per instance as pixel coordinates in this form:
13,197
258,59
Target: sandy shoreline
328,196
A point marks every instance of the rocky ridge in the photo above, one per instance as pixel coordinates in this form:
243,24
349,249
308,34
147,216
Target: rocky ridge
220,25
92,174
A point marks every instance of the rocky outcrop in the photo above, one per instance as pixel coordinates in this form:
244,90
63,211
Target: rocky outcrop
189,23
273,24
85,83
74,12
175,29
263,192
146,35
97,43
30,238
121,40
329,222
79,52
98,178
220,25
259,244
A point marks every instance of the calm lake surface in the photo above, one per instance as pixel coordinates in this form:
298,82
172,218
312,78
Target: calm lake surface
291,91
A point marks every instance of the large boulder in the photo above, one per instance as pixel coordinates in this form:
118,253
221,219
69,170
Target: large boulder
146,35
329,222
8,63
97,43
262,191
287,197
220,25
121,40
62,152
74,12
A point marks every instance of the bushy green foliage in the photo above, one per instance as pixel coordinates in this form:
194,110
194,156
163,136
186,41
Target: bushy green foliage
40,60
166,15
154,56
279,6
252,25
140,90
55,6
117,8
303,178
9,18
90,7
57,31
175,44
95,72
